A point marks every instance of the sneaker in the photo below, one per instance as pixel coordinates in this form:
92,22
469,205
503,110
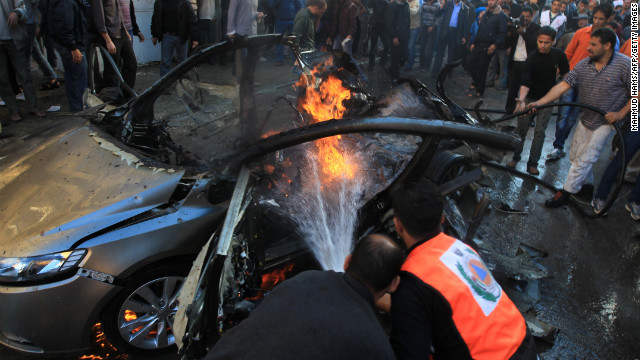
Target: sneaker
555,154
20,97
598,205
634,210
559,199
2,103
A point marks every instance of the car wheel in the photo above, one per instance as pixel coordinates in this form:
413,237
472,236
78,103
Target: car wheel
140,318
446,166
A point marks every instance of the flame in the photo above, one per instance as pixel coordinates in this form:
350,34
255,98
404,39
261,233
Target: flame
325,102
271,279
130,315
101,347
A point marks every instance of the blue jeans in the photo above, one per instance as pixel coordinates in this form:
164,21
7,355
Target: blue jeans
169,44
75,78
282,27
413,38
500,60
632,144
567,118
32,50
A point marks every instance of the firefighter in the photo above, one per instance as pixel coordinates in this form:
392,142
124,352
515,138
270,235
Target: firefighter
448,302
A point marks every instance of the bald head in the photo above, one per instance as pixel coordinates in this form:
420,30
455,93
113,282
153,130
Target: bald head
375,261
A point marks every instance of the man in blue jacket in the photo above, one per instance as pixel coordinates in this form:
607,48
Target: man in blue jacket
65,22
285,12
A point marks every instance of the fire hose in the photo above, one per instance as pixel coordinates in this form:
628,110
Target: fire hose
618,185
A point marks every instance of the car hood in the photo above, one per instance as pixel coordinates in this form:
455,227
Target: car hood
75,183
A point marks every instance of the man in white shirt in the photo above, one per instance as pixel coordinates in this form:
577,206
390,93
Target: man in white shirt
554,18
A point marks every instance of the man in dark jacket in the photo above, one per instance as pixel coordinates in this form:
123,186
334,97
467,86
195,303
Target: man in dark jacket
173,31
378,31
453,33
107,20
523,41
304,24
322,314
492,33
344,27
65,22
398,28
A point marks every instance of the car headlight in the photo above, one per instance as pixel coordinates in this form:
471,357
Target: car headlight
40,267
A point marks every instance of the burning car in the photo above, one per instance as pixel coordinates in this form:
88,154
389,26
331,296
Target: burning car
251,175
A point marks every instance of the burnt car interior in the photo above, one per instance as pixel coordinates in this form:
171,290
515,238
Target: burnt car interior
269,150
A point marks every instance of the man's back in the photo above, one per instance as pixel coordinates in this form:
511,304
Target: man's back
315,315
448,294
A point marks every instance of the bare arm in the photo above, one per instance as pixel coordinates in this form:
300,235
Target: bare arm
524,91
614,116
553,94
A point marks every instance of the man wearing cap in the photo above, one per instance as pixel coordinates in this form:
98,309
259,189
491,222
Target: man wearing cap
563,42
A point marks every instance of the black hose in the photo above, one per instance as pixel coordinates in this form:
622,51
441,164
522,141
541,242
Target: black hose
618,186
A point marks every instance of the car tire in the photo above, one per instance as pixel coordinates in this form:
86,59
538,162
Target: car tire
446,166
139,319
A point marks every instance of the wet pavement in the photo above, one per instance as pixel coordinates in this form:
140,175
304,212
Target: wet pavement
581,283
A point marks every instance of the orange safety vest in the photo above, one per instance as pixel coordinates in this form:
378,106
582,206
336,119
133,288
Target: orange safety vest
489,323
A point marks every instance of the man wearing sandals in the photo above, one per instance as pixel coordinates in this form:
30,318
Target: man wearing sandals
604,81
13,39
538,77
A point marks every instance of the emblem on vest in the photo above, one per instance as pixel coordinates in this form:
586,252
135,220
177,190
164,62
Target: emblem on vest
473,272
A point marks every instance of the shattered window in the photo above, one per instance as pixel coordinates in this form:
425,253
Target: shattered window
209,112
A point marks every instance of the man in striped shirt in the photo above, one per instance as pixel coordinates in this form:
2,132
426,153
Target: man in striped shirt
604,81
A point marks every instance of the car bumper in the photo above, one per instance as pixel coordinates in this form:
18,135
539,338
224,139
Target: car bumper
52,318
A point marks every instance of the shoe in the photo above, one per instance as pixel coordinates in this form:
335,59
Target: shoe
559,199
263,59
50,85
634,210
2,103
39,113
512,164
533,170
20,97
15,117
598,205
555,154
5,135
586,191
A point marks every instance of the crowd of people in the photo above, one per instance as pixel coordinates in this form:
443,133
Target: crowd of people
520,47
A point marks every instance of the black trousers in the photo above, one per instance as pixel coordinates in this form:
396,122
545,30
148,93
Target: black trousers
451,43
480,65
514,78
124,52
378,31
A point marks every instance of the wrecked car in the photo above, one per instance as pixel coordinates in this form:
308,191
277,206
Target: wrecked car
249,174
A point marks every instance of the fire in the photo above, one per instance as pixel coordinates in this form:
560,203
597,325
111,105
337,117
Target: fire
101,347
271,279
130,315
325,102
